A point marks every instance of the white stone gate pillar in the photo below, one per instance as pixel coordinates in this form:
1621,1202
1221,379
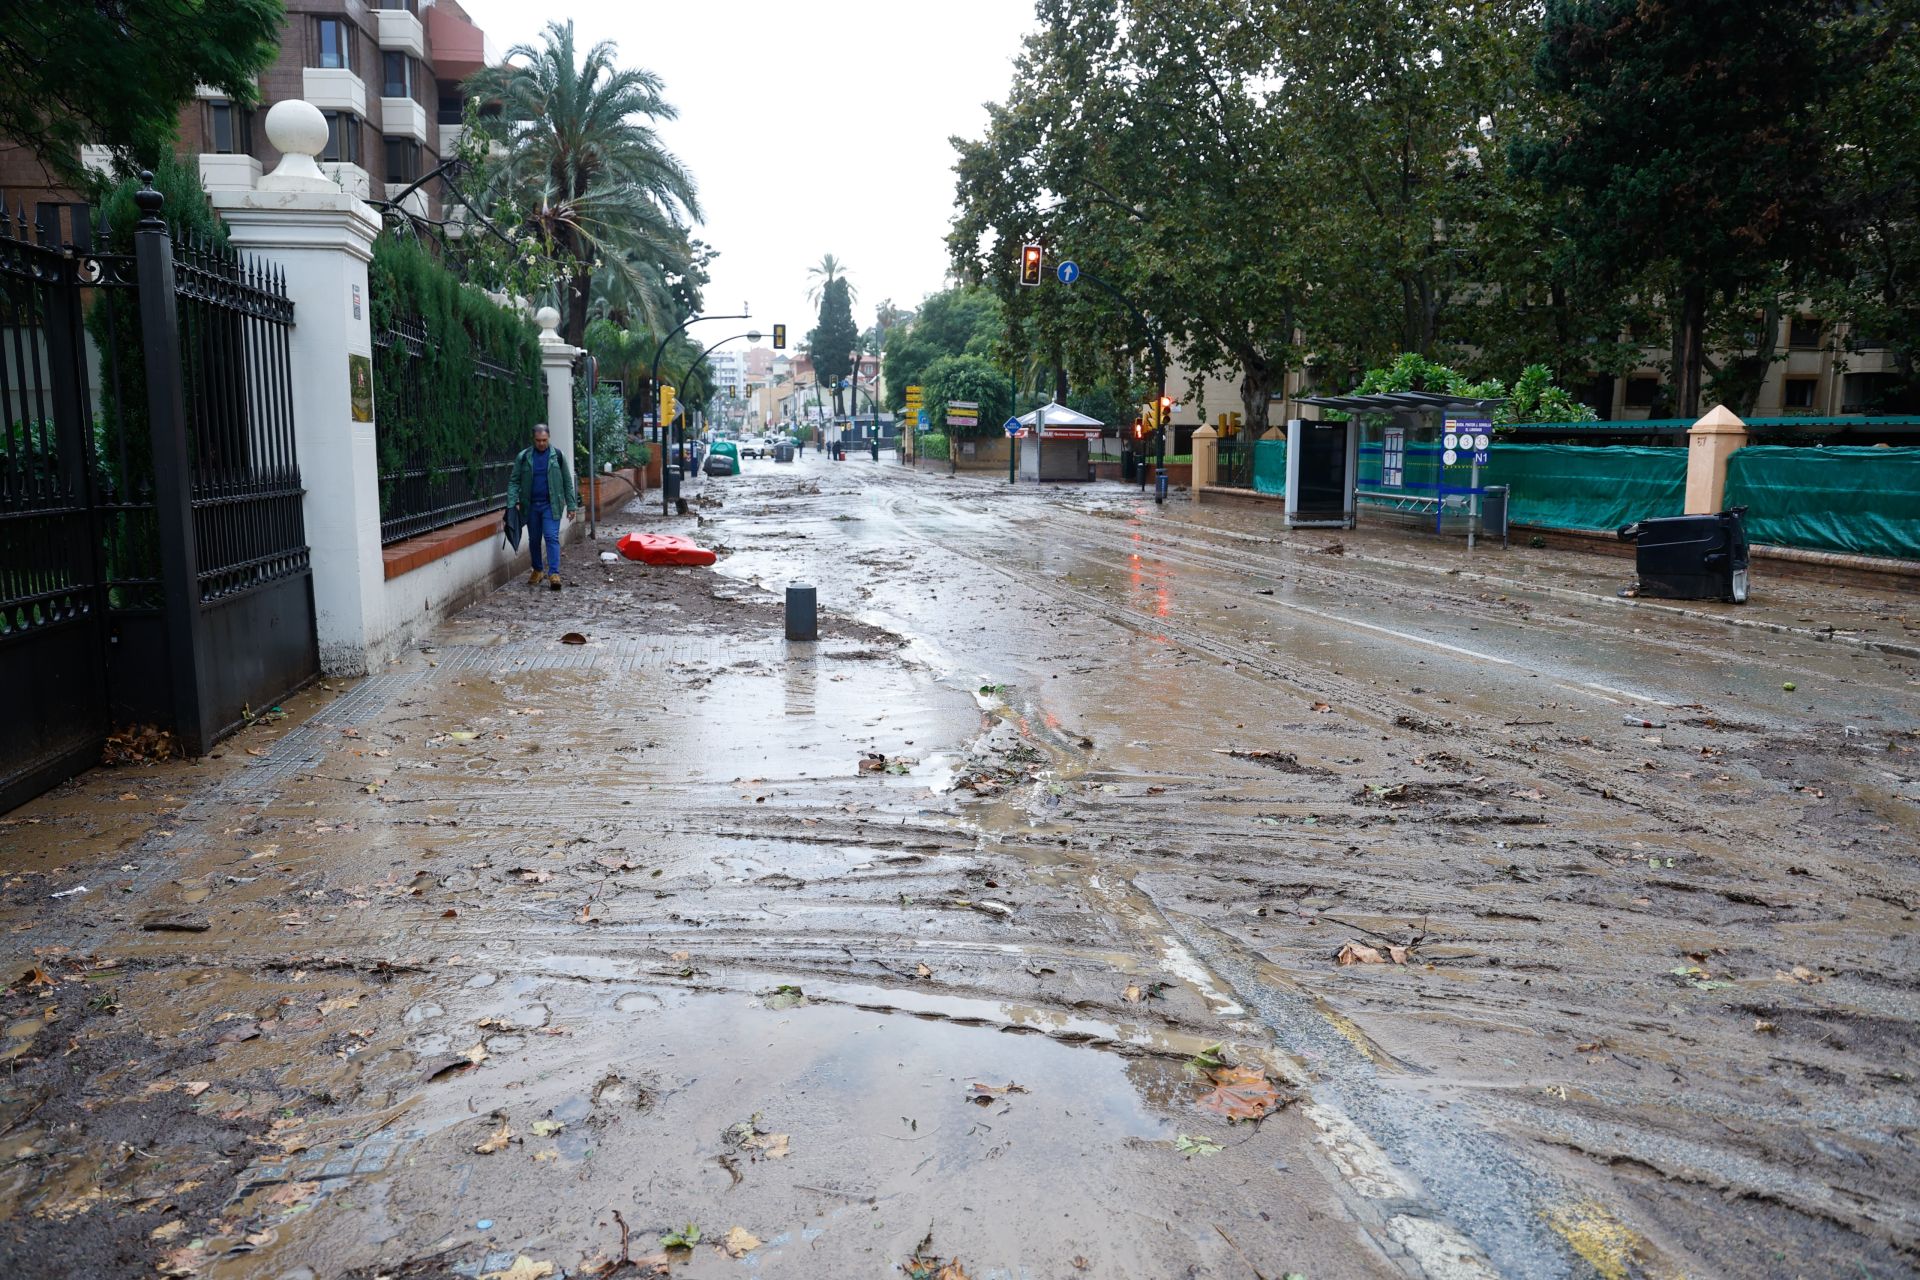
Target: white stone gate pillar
556,362
321,238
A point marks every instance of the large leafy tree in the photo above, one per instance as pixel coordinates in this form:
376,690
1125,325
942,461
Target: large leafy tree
963,320
831,342
117,74
583,168
1691,147
1874,179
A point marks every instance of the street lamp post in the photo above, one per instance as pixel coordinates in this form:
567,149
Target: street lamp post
653,391
752,335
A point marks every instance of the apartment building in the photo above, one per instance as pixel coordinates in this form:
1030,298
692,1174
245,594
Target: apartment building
385,73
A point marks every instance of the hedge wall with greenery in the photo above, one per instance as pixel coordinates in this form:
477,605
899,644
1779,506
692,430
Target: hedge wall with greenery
437,411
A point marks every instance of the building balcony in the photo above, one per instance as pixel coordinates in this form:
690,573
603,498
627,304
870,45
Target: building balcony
416,201
401,32
403,117
220,172
352,179
450,135
459,47
334,89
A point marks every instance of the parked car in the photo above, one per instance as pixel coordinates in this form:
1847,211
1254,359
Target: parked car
756,448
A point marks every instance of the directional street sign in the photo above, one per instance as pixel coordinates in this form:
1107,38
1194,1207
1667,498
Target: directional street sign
1013,426
1068,272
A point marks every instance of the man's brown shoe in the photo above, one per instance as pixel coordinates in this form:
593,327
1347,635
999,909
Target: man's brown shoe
553,581
533,579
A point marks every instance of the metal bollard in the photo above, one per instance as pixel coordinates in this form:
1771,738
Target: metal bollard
803,613
1160,484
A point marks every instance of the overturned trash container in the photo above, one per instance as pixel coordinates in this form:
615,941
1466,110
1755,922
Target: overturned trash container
1691,557
783,452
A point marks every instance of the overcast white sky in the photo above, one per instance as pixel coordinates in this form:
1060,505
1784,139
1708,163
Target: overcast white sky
812,128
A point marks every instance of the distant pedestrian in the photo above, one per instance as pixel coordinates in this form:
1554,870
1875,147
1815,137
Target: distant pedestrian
540,492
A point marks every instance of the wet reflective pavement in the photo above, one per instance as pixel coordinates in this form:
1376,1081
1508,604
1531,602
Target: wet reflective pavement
457,960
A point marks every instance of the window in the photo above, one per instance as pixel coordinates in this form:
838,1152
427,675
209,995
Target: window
408,5
343,137
403,159
1803,333
1797,393
399,76
1642,392
229,128
452,109
334,43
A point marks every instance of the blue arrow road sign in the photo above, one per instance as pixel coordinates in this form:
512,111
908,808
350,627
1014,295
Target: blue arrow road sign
1068,272
1013,426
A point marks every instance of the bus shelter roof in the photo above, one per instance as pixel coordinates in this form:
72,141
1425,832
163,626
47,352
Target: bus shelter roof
1405,402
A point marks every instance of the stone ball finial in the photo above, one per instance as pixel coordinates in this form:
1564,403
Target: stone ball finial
549,321
296,127
298,131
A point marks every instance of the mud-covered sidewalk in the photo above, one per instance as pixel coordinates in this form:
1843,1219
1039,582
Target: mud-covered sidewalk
1111,891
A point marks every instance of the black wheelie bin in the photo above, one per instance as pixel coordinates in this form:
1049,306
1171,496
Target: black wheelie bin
1691,557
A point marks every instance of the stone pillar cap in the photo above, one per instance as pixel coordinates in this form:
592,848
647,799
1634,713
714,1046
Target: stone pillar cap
299,132
1718,420
549,321
1205,432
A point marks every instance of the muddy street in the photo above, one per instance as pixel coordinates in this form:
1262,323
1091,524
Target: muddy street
1113,890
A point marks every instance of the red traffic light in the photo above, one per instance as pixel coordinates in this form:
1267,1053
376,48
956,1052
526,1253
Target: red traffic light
1030,262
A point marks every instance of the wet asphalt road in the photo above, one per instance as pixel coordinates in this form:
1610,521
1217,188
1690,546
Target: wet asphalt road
612,901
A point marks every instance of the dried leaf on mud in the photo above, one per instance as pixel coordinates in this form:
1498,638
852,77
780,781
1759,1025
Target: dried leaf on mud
739,1242
547,1128
496,1141
1241,1093
292,1193
986,1095
523,1268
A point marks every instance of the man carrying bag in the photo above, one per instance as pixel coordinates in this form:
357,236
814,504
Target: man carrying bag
539,493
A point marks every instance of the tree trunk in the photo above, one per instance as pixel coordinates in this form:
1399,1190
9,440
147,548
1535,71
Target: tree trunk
1256,392
578,290
1690,349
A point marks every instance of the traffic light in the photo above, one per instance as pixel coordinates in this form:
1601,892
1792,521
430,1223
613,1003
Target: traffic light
1030,263
1139,429
779,337
1163,411
667,406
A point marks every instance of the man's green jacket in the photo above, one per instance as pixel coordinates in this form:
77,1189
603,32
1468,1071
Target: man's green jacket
562,495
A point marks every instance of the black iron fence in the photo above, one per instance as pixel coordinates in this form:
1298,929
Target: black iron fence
235,319
444,463
1236,463
153,560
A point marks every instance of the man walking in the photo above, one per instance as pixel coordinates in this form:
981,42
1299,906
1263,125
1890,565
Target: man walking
540,491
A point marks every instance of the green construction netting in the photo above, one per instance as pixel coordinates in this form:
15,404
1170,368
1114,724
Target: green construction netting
1570,486
1270,466
1849,498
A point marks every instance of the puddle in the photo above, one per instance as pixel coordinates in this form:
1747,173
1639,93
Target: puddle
883,1137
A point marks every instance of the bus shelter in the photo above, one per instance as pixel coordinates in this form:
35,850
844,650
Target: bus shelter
1418,457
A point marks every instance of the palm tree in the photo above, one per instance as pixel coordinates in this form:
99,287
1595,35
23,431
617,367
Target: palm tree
824,273
581,156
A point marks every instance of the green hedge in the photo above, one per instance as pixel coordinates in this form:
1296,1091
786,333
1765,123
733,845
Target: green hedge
437,411
931,444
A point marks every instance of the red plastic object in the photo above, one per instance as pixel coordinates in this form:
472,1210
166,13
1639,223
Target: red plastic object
663,548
